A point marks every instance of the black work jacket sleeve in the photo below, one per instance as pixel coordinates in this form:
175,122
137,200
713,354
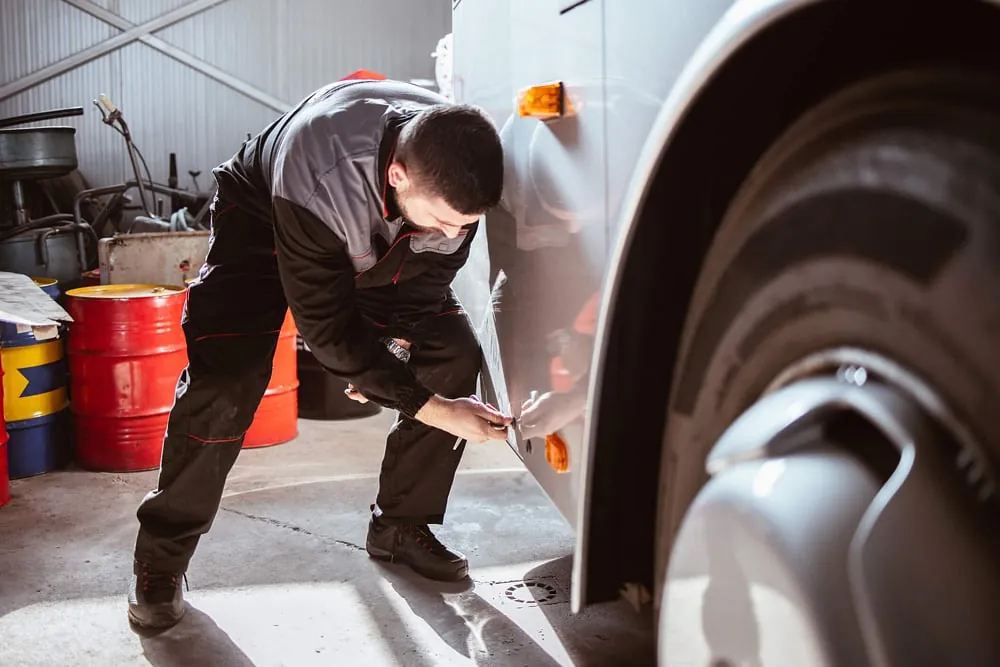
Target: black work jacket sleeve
427,296
318,280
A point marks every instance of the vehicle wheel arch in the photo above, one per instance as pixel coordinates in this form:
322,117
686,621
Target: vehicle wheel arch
702,159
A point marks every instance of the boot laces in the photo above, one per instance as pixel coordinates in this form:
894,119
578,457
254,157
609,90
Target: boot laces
423,536
153,581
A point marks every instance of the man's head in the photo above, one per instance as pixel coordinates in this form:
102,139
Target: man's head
448,168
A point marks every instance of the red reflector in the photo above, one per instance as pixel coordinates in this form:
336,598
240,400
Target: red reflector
363,74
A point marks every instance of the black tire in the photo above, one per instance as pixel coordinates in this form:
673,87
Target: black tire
873,223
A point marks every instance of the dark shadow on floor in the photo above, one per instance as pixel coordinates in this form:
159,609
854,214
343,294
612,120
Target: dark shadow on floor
472,627
612,633
194,642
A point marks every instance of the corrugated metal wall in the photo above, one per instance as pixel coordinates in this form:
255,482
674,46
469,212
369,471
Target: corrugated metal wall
276,50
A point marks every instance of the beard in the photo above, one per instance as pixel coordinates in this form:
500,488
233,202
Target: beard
401,197
402,203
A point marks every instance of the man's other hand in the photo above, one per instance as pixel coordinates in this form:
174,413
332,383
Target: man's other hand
354,394
466,418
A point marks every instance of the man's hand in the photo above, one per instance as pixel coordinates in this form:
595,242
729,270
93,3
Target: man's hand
354,394
466,418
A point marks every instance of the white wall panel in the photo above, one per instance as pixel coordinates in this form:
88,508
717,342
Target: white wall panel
101,151
180,110
274,51
220,35
139,11
37,33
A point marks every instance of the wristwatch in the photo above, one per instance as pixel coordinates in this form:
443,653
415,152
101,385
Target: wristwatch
396,349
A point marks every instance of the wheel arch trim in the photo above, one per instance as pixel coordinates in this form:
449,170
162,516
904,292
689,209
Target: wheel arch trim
736,28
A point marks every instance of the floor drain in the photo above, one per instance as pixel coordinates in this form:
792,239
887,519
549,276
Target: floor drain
531,592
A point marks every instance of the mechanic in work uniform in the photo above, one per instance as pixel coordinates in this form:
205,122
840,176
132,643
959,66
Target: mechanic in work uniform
355,209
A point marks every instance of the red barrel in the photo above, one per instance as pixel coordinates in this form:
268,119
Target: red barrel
126,346
4,478
276,420
91,278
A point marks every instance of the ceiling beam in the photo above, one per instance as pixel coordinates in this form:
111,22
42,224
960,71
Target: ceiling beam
182,56
114,43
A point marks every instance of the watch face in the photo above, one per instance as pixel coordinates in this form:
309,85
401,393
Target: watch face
397,350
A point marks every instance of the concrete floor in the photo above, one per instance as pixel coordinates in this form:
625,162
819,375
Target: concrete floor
283,579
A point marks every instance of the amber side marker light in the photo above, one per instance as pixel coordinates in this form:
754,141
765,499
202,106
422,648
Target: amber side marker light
544,101
557,452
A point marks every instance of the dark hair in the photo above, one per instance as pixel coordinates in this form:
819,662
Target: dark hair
454,152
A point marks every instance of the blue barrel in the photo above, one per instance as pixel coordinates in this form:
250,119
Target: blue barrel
37,446
36,403
50,286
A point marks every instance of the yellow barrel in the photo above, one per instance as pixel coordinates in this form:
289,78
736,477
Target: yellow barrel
35,399
33,386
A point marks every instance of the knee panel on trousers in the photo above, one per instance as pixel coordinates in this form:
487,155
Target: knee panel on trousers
225,380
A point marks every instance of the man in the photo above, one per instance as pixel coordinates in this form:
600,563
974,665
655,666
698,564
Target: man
355,209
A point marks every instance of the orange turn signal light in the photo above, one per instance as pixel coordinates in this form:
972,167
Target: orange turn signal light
544,101
557,452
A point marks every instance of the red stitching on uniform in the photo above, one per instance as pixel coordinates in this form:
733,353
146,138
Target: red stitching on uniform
234,335
209,441
225,210
456,311
387,252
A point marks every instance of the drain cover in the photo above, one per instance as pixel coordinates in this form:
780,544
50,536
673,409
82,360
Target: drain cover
531,592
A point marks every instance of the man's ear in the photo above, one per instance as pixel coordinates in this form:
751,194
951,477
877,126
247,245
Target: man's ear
397,175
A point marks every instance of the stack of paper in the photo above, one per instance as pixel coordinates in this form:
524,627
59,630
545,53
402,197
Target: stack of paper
24,304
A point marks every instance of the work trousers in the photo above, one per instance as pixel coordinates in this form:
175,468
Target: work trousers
231,323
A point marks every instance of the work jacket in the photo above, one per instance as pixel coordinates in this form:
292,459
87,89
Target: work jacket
353,270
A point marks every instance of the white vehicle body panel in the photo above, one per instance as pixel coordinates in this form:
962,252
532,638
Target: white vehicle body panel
574,186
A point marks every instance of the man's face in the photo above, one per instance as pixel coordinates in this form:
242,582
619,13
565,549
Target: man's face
426,212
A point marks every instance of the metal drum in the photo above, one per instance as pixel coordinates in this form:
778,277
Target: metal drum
4,475
36,405
90,278
321,394
126,346
37,152
50,286
48,251
276,419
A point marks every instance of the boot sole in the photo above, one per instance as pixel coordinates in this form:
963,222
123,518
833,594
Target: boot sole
378,554
156,623
387,556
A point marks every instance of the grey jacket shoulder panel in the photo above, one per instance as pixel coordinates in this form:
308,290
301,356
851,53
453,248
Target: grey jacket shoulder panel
327,161
437,242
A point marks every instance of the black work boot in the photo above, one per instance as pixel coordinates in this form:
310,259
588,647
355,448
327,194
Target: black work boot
155,599
416,546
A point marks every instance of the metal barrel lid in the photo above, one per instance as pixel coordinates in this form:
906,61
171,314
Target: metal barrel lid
125,291
48,285
37,152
